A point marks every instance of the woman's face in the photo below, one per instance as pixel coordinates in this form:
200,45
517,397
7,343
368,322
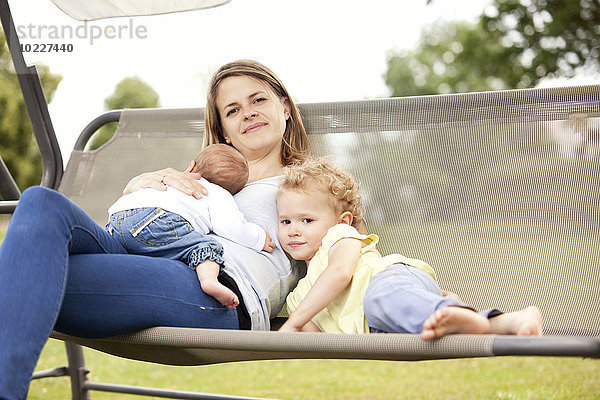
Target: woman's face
252,116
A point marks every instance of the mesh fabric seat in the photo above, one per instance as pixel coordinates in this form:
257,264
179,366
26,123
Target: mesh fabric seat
498,191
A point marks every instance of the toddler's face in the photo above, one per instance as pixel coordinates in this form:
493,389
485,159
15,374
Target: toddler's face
304,219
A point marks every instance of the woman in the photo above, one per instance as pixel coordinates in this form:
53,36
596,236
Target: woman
60,270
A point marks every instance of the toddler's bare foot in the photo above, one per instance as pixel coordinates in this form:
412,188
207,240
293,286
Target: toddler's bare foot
222,293
453,319
525,322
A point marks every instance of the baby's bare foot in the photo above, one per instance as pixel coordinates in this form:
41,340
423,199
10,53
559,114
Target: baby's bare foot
525,322
222,293
453,319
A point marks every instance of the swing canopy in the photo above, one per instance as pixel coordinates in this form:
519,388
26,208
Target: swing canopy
98,9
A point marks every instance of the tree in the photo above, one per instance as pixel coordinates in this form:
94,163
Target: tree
546,38
18,147
450,57
131,92
514,45
506,169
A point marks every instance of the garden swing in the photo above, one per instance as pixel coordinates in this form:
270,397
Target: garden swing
499,191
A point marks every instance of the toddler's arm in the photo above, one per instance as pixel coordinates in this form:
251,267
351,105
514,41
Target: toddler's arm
343,257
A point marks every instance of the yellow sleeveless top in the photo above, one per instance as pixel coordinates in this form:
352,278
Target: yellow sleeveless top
345,314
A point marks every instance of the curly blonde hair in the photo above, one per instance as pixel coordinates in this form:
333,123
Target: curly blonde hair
322,175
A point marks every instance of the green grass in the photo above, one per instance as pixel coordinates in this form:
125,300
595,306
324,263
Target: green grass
482,378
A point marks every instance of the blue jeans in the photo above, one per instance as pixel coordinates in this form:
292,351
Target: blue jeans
60,270
159,233
400,298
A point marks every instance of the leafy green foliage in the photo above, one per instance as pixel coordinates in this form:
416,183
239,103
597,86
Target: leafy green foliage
546,37
514,45
450,57
19,149
131,92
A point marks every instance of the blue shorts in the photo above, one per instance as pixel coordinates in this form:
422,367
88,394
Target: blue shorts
400,299
160,233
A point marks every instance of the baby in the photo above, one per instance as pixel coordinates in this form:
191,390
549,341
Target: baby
320,208
172,224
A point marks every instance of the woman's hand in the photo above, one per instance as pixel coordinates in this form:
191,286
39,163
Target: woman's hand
185,182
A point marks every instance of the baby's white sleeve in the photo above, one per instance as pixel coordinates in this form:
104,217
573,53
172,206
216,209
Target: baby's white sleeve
228,221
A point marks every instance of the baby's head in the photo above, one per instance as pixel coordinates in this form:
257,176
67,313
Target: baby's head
312,198
223,165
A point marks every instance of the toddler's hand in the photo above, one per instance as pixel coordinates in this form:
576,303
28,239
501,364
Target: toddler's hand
286,327
269,244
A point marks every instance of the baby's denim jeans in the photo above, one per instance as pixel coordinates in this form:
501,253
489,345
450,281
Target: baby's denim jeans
159,233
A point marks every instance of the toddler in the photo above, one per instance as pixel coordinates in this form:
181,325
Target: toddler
320,208
172,224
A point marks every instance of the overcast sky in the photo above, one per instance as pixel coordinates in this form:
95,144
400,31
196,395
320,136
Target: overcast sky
322,50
